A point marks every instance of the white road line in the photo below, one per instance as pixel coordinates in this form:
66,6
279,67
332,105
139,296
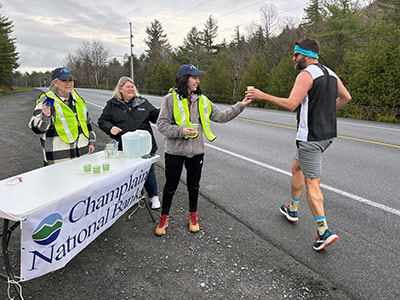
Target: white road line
327,187
91,103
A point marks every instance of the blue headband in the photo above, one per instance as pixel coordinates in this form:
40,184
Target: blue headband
306,52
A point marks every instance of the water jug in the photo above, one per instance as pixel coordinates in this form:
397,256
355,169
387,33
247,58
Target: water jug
136,143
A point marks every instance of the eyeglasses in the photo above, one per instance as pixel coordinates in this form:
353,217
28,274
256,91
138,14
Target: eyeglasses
69,80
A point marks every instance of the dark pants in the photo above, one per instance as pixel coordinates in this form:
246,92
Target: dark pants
173,171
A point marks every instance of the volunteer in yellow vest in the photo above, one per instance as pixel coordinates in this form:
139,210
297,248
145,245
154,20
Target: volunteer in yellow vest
62,120
185,115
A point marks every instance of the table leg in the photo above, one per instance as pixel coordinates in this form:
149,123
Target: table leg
5,241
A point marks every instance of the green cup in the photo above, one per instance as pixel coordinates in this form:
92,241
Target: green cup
195,126
96,169
87,168
105,166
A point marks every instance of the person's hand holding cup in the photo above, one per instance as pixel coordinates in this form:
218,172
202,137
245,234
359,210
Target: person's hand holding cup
195,126
188,131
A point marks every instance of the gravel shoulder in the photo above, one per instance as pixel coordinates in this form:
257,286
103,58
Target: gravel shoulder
226,260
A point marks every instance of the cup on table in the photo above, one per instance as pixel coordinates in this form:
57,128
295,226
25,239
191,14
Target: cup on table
96,169
105,166
111,150
87,168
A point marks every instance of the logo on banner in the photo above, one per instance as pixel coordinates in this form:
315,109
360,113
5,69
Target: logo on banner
48,230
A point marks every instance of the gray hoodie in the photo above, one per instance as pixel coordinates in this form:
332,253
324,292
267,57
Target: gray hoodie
174,138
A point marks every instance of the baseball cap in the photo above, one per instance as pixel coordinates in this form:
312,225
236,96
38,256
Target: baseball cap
188,70
61,73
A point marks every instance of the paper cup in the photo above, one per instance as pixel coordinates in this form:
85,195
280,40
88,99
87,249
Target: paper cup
96,169
250,87
87,168
105,167
195,126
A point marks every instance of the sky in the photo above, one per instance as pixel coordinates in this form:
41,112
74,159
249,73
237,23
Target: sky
46,31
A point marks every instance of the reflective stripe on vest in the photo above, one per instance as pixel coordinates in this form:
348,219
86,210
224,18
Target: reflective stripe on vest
205,111
65,121
182,114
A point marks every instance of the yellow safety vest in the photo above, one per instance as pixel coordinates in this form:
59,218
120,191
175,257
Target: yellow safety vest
182,114
65,121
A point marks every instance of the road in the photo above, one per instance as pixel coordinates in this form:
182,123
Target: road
247,173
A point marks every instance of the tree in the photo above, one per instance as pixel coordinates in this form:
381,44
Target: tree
257,75
209,35
269,14
375,81
162,79
157,43
217,81
313,20
239,54
283,77
113,72
100,55
8,54
391,9
89,63
192,50
342,28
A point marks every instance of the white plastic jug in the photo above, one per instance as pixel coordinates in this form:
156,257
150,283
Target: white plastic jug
136,143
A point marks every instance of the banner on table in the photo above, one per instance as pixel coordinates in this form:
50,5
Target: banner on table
52,236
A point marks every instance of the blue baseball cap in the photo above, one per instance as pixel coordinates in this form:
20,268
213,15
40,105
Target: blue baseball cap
61,73
188,70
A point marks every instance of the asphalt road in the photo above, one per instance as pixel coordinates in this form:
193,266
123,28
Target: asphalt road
247,173
227,260
246,178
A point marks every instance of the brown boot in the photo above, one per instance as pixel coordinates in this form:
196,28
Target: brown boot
194,222
162,225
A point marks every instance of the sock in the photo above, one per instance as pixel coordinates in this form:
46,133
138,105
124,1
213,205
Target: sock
293,204
322,224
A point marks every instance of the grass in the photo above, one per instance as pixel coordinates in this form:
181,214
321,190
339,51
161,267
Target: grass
5,90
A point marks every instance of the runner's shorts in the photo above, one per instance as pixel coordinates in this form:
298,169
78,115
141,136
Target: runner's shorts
309,156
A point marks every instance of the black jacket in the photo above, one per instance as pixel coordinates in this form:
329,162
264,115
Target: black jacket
138,115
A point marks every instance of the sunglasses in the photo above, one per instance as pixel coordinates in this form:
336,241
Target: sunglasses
69,80
296,54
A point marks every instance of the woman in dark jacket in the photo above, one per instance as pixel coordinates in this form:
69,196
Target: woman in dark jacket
127,111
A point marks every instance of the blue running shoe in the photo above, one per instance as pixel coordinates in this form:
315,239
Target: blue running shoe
290,215
322,241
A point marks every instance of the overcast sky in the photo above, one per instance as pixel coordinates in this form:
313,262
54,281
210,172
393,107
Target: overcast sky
46,31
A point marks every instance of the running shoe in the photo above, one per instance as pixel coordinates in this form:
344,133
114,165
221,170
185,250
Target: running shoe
290,215
324,240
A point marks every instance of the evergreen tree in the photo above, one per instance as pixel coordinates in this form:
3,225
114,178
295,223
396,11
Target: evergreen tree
192,50
157,43
342,28
257,75
162,80
391,10
375,81
8,54
113,72
216,83
209,35
158,50
283,77
313,20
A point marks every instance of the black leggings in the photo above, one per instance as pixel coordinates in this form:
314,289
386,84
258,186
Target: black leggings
173,171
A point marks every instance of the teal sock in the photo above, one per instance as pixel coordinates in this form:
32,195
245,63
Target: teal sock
293,204
322,224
